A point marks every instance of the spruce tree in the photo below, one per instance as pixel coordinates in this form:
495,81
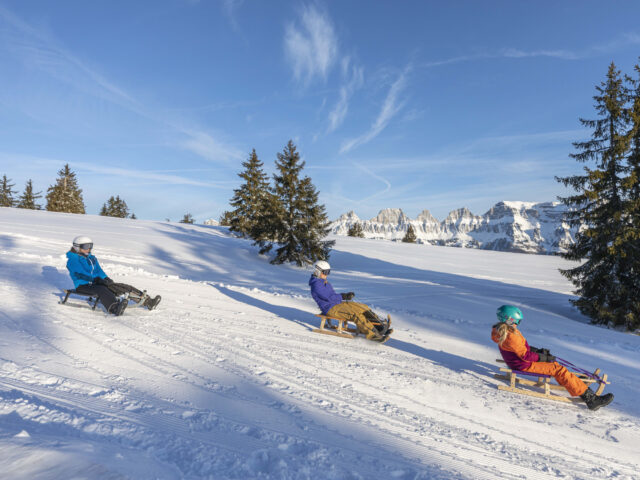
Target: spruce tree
65,196
297,222
251,200
115,207
410,236
355,230
28,198
133,216
6,192
599,208
188,218
225,219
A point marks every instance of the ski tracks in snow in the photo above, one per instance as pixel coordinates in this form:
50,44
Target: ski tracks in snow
209,386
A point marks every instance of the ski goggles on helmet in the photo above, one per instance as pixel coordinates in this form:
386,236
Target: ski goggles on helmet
512,321
326,272
85,246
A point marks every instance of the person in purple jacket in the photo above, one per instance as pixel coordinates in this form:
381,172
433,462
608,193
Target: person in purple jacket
339,305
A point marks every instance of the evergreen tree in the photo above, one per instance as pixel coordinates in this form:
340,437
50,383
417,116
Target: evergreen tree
65,196
355,230
188,218
6,192
28,198
133,216
225,219
410,236
296,221
599,208
115,207
251,200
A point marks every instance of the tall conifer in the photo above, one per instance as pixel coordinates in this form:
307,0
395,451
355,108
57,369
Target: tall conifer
65,195
299,223
6,192
28,198
250,201
598,209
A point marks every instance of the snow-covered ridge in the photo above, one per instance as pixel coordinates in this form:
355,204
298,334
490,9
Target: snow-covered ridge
508,226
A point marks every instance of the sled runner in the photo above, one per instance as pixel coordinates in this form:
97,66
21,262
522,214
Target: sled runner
542,383
342,328
92,300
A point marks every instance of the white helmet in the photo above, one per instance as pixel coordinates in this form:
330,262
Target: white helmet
83,242
321,267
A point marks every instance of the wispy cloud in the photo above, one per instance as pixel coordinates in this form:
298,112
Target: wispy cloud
621,41
206,146
42,52
391,106
311,45
230,8
354,76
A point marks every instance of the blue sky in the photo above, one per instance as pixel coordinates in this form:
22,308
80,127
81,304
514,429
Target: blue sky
413,104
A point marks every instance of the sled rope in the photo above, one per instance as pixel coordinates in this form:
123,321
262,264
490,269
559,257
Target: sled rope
568,364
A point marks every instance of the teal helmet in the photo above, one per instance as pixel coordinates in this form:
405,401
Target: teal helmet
509,314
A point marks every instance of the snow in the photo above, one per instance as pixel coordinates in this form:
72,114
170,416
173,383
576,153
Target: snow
226,379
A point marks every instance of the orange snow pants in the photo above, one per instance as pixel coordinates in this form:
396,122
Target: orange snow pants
564,377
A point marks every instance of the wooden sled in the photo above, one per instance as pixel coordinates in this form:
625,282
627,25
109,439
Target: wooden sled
340,329
93,302
543,384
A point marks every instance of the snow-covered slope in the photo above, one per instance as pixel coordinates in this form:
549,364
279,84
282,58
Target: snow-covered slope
507,226
227,380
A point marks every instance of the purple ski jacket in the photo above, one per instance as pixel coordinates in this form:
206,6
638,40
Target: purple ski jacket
324,295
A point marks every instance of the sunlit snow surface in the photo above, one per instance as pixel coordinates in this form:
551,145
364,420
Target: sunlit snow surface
226,379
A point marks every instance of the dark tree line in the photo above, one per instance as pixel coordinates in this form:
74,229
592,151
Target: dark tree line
284,215
64,195
605,206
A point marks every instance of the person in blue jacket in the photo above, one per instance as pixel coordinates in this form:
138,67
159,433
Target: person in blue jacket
339,305
89,278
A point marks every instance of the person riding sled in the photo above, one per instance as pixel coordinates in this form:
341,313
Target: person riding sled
518,355
89,279
340,306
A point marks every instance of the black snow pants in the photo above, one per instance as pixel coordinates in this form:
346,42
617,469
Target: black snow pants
106,296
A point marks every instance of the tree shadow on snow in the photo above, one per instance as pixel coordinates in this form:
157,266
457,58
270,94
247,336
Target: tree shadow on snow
288,313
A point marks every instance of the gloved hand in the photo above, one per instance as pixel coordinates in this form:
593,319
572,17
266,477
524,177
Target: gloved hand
546,357
348,295
539,350
102,281
107,281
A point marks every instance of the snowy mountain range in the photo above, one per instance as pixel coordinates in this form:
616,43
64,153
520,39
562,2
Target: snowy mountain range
508,226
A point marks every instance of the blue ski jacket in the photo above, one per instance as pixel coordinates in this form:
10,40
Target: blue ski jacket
324,295
83,269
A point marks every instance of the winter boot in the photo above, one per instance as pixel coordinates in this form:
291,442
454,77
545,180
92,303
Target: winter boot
594,402
119,307
152,303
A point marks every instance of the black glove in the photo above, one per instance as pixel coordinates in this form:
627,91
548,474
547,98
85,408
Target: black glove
546,357
348,295
107,281
539,350
102,281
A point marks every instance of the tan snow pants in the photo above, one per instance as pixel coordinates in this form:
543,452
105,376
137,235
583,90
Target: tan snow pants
358,313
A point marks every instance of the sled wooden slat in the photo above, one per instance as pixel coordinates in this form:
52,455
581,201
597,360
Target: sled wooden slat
341,329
